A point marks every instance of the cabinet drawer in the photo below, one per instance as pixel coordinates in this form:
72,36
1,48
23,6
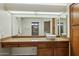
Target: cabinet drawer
25,44
10,44
42,45
61,44
45,44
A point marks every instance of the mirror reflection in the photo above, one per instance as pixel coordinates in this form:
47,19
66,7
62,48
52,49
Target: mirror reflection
40,25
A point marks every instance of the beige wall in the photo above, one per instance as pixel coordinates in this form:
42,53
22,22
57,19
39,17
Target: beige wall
5,24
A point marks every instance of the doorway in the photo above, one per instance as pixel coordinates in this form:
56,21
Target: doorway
35,28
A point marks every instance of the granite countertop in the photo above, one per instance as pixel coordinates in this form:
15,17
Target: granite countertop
33,40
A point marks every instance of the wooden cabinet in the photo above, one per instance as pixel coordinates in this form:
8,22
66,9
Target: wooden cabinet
25,44
9,44
61,51
53,48
74,11
56,49
45,52
45,48
60,44
75,40
42,44
74,29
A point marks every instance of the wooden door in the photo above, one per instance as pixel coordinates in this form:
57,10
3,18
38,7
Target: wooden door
61,51
74,29
75,40
61,48
45,52
74,10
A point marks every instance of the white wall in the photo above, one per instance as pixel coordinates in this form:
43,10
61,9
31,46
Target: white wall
5,24
26,25
14,26
19,23
5,28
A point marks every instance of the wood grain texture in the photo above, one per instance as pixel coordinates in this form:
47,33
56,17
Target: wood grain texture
43,48
74,29
75,40
74,14
46,52
61,51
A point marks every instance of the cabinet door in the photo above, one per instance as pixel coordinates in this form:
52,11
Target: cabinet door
74,14
45,52
61,51
75,40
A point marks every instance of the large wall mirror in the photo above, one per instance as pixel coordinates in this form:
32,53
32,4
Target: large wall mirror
30,26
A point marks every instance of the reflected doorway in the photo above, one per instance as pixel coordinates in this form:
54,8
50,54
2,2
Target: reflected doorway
35,28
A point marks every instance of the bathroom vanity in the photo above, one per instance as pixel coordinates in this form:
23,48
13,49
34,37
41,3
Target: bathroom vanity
57,47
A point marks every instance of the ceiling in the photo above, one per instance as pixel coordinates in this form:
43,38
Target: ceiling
36,10
36,7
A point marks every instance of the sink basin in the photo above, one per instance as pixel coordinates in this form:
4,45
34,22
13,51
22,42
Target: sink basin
51,36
